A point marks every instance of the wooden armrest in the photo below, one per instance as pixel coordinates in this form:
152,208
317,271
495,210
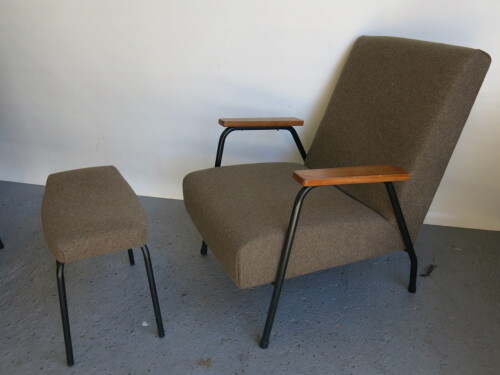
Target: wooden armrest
263,122
350,175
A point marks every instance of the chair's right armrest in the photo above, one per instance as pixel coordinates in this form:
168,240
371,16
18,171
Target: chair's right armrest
260,122
350,175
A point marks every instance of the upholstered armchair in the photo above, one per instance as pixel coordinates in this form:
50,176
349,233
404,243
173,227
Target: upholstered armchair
367,180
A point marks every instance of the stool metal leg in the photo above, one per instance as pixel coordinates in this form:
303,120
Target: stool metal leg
152,287
131,257
64,313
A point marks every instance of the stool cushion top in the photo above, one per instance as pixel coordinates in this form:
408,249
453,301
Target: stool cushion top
91,211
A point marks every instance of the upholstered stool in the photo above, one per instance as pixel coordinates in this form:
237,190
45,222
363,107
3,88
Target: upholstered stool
88,212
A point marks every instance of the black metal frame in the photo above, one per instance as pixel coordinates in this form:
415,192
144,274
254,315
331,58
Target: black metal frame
287,247
225,133
1,244
292,226
222,141
131,257
203,250
405,235
61,287
152,288
282,266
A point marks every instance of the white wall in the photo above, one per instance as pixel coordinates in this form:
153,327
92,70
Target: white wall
141,83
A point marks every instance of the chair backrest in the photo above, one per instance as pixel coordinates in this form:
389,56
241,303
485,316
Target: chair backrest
402,102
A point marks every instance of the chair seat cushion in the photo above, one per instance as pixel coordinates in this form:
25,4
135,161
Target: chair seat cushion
245,225
91,211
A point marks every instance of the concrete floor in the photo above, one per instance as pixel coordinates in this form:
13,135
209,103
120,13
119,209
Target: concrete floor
356,319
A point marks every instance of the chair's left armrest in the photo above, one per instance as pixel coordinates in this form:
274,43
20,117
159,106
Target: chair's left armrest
350,175
260,122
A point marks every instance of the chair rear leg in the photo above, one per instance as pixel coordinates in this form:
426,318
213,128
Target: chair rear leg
412,286
61,287
152,288
131,257
405,235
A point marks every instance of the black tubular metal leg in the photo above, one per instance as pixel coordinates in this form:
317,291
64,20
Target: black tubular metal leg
64,313
152,287
1,244
131,257
412,287
220,146
225,133
297,142
203,250
280,274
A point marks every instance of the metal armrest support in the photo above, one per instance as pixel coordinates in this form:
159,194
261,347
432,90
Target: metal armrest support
313,178
255,123
258,123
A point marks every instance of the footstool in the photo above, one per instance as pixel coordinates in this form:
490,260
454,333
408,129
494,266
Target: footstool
89,212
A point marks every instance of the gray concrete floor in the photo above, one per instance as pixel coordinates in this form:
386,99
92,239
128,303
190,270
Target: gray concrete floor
356,319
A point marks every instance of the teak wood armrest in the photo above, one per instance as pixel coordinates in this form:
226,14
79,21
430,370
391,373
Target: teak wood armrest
350,175
260,122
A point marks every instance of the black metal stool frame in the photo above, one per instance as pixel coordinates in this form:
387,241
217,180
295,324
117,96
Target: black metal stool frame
61,287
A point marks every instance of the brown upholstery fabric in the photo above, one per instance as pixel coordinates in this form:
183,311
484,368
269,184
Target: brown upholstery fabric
242,212
91,211
398,101
401,102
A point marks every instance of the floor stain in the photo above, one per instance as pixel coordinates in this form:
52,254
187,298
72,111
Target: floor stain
205,362
428,270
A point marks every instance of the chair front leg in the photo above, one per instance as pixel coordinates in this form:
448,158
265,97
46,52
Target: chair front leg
412,287
203,250
282,266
